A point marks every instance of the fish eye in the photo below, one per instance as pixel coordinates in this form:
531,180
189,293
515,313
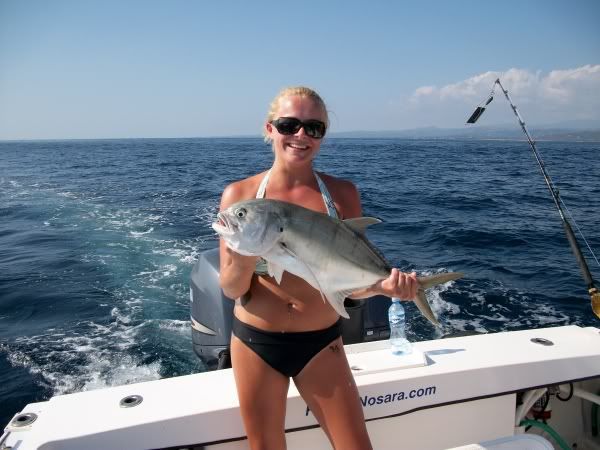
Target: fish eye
240,212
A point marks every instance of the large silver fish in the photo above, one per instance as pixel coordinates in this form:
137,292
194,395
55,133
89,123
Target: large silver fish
332,255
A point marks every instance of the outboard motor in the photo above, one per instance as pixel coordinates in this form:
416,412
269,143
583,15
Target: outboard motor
212,312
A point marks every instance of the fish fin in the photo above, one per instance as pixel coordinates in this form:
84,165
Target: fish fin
275,271
313,281
423,305
360,224
336,300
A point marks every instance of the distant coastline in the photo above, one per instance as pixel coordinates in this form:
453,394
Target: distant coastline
511,133
574,131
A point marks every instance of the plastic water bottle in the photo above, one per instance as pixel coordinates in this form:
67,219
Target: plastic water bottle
400,345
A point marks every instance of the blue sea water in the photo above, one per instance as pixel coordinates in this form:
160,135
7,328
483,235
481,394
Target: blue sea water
98,238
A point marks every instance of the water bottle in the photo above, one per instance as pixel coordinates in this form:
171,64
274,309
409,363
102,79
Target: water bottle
398,341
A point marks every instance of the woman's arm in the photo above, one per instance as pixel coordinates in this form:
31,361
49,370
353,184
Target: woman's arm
235,270
399,284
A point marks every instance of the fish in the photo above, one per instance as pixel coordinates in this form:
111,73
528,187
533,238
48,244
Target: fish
334,256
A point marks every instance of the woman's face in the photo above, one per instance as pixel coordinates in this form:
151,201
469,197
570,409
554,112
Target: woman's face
297,148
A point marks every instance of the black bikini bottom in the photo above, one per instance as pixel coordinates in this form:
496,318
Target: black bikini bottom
285,352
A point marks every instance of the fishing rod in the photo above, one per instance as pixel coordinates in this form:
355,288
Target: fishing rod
587,276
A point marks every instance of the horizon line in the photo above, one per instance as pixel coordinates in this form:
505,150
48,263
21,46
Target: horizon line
371,133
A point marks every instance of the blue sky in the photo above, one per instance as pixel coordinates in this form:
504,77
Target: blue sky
104,69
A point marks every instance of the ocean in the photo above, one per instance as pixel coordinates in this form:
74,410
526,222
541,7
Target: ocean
98,238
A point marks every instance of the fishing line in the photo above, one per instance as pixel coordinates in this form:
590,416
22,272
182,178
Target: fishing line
579,230
585,271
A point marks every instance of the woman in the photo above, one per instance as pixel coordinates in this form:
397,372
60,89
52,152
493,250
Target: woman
283,331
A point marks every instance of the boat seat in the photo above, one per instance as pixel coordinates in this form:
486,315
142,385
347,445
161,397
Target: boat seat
518,442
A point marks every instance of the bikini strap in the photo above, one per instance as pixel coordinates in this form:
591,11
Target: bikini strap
329,204
263,185
327,198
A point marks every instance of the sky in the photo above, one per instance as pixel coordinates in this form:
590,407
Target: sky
116,69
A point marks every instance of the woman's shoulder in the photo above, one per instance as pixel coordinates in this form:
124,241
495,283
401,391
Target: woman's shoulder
344,194
241,190
337,183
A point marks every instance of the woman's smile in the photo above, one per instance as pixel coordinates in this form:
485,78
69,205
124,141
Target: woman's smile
298,147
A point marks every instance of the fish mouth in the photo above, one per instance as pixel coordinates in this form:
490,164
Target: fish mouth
223,225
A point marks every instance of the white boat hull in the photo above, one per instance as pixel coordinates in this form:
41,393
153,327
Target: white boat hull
464,391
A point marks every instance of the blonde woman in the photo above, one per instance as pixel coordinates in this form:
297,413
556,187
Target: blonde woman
283,331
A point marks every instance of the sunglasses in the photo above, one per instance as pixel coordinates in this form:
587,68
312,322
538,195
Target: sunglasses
291,125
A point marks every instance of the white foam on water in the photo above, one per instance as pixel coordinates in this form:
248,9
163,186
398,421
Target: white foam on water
126,373
141,233
439,306
118,224
153,277
119,317
469,324
67,194
189,259
509,310
20,192
182,327
96,356
538,315
147,279
118,244
184,252
208,213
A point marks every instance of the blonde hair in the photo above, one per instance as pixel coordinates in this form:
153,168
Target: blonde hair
301,91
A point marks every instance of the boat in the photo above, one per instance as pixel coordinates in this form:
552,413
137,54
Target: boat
448,393
457,391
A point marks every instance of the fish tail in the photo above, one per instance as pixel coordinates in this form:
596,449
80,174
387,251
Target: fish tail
423,305
426,283
440,278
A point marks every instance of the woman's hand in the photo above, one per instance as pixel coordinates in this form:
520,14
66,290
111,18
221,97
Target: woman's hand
236,270
399,284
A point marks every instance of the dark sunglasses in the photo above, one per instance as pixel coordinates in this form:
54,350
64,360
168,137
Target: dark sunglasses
291,125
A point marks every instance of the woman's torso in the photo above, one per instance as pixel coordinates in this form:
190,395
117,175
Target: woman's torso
293,305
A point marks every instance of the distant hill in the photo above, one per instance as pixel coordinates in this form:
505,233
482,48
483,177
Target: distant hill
571,131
